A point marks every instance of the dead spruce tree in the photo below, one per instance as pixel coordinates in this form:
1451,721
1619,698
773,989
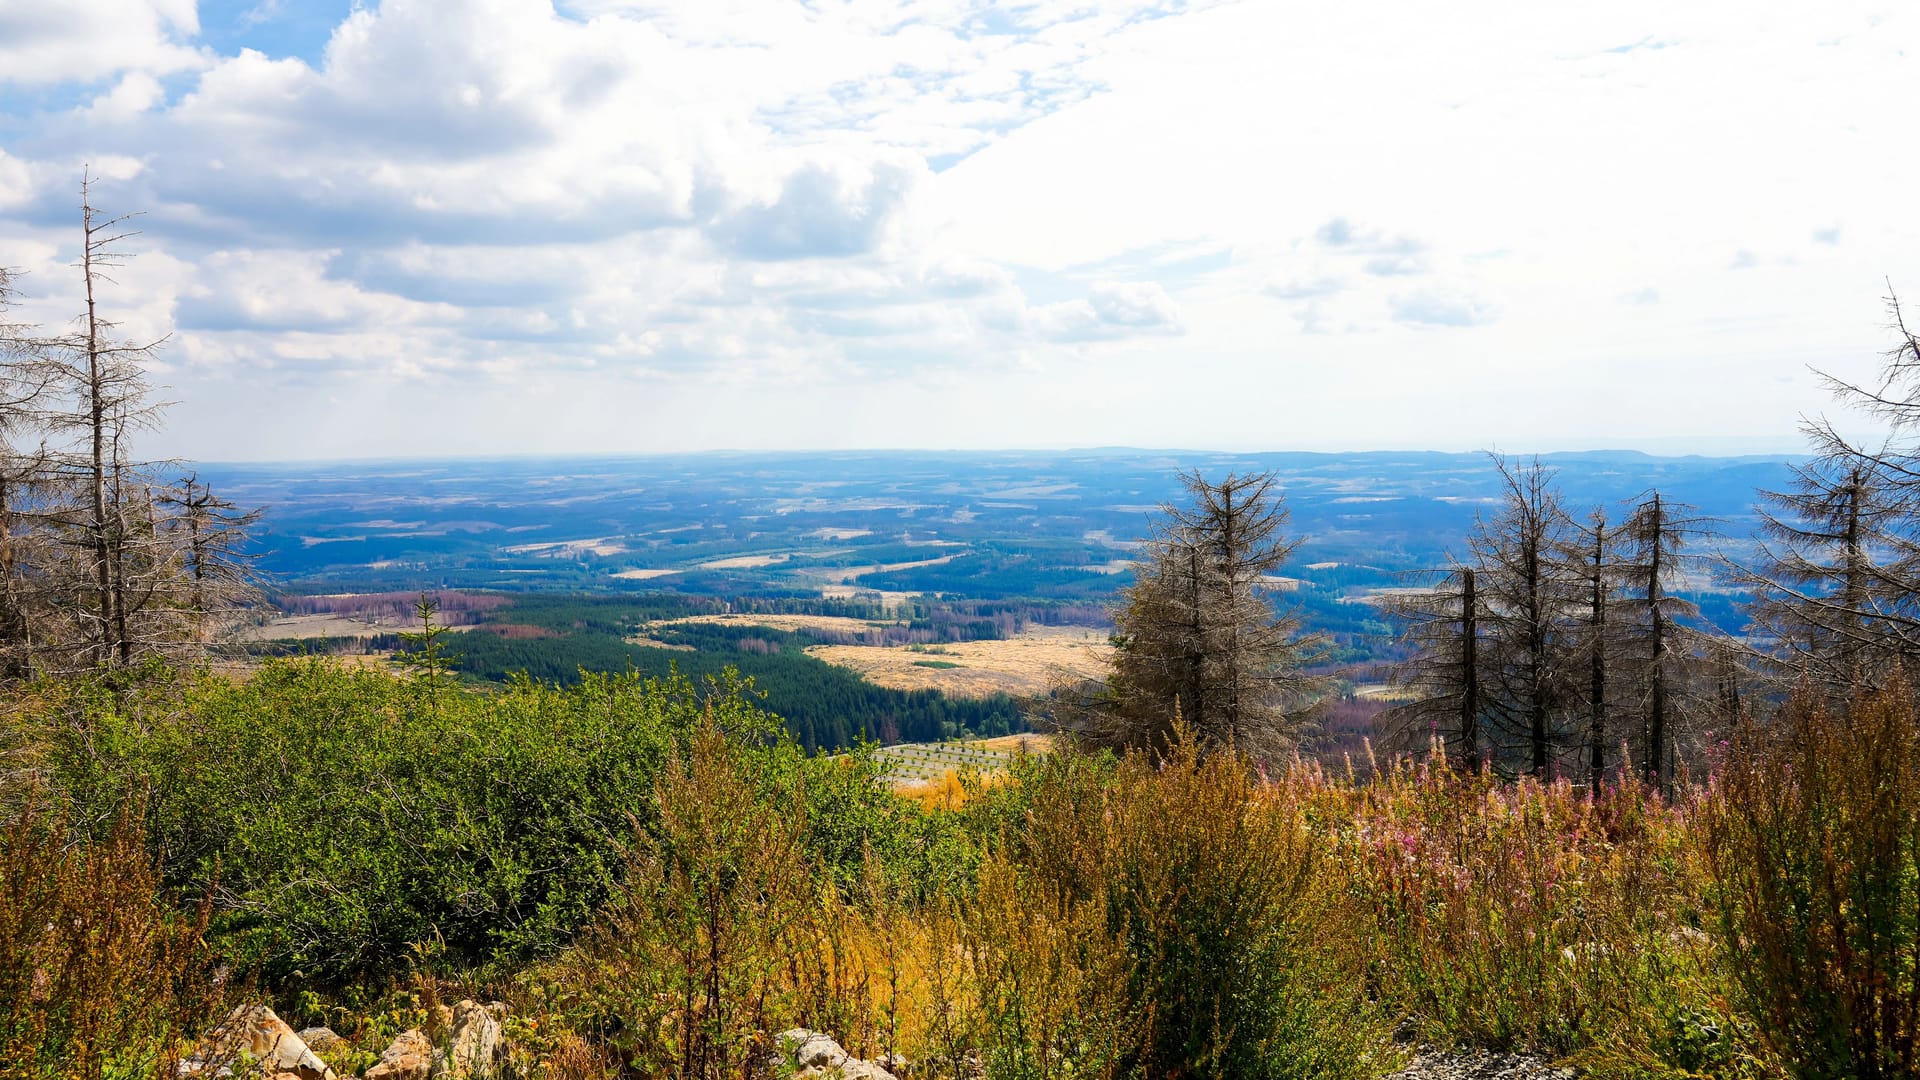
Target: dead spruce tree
1528,592
1444,699
1591,556
101,566
1197,636
1511,649
1836,582
1662,658
23,557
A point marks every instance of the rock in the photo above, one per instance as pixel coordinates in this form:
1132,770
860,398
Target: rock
473,1044
255,1030
409,1058
815,1056
810,1049
320,1039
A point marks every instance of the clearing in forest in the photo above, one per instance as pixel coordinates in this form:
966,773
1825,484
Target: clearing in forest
1020,665
838,624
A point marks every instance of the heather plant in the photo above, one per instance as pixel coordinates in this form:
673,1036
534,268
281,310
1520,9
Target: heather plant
1533,916
1164,918
1812,832
682,974
99,977
728,928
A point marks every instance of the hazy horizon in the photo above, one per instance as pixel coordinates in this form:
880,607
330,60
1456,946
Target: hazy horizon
1063,450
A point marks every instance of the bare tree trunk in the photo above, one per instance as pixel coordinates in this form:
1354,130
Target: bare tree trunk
1536,657
1852,588
1657,691
123,639
1230,587
1469,671
1195,711
97,421
1597,670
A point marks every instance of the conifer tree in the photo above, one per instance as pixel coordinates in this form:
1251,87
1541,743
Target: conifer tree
1197,636
98,566
1662,662
1441,677
1592,559
1528,592
1837,580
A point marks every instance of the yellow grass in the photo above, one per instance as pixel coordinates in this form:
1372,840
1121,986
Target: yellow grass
944,792
1021,665
1030,742
655,643
790,623
843,574
890,600
599,545
747,562
644,575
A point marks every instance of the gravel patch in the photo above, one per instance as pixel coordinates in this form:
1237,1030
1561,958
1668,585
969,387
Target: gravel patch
1474,1065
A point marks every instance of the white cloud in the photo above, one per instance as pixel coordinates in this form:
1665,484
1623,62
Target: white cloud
43,42
822,209
1337,208
1438,307
16,181
1110,310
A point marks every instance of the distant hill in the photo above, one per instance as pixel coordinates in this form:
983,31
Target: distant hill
1055,524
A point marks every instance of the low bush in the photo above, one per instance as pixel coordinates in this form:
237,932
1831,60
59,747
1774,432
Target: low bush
1163,918
98,976
357,823
1529,916
1812,828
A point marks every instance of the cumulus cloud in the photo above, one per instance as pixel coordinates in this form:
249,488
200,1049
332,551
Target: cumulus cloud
16,181
1437,307
1110,310
1303,288
821,209
498,193
288,290
91,40
134,94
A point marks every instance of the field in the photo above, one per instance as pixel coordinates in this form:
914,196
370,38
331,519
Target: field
1020,666
315,627
920,763
843,575
833,624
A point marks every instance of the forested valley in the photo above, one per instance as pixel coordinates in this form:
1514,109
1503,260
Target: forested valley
1610,793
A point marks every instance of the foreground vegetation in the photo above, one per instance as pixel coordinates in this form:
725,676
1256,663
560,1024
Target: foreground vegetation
656,879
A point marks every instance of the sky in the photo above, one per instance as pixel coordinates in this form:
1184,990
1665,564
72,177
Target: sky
493,227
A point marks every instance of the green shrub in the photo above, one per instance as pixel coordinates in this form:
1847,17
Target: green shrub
360,822
351,817
1812,830
1172,918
